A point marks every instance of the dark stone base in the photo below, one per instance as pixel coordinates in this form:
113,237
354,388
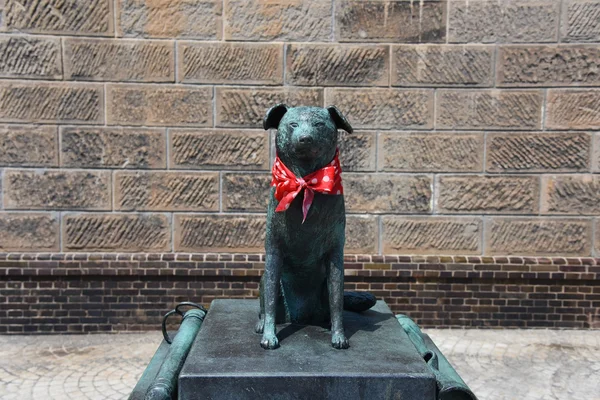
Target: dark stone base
227,362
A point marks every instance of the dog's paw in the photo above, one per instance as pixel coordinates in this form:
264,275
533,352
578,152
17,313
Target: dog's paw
339,341
269,341
260,326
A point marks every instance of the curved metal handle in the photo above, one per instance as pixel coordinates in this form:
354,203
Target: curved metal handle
179,312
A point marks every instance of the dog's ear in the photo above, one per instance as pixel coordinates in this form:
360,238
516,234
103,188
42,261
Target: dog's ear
340,121
274,115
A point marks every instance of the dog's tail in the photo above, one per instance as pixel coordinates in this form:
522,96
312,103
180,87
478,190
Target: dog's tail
358,301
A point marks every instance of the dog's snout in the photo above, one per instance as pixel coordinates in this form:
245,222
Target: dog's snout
305,139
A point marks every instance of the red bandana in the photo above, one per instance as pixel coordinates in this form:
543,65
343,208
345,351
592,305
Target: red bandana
327,180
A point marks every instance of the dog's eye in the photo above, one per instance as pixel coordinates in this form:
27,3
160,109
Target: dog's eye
319,124
294,125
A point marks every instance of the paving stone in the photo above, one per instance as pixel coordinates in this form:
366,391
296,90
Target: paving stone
573,109
442,65
427,152
57,190
362,234
431,235
357,151
390,21
197,19
119,60
231,63
116,232
30,57
113,147
28,232
538,152
28,146
246,191
538,236
571,194
580,21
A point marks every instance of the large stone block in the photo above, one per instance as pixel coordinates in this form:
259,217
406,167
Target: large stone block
385,108
246,191
491,109
362,235
119,60
113,147
477,194
167,191
427,152
277,20
231,63
442,65
66,17
431,235
387,193
357,151
29,232
28,146
57,190
573,109
548,65
390,21
580,21
30,57
215,149
230,233
571,194
159,105
503,21
538,236
538,152
198,19
246,107
51,102
116,232
337,65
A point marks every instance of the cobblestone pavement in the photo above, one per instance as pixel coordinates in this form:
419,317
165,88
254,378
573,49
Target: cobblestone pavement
497,365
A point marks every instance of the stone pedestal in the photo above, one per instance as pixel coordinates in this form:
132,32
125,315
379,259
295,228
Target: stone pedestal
227,362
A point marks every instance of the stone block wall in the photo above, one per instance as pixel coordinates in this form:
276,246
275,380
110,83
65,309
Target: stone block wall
134,126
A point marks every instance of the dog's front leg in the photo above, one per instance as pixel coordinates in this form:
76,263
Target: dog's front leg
335,286
271,278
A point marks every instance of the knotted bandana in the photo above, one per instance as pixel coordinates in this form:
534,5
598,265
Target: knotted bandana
327,180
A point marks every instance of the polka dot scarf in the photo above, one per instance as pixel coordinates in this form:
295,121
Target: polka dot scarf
327,180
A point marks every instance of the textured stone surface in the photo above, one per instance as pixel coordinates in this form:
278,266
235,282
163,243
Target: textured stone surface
51,102
580,21
387,193
277,20
443,65
30,57
573,109
477,194
538,236
246,107
57,190
537,152
31,146
492,109
119,60
239,233
384,108
159,105
502,21
245,191
597,234
427,152
167,191
29,232
68,17
229,63
431,235
596,156
390,21
113,147
571,194
337,65
116,232
362,235
232,149
549,65
198,19
357,151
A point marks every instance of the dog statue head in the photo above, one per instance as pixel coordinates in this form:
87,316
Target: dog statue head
306,137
